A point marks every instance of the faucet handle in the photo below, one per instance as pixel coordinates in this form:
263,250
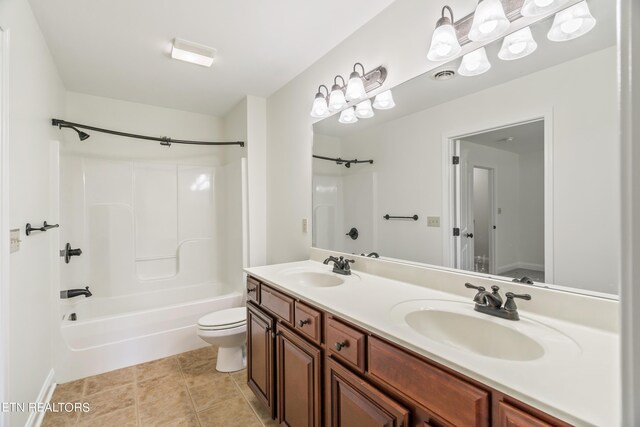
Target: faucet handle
495,288
510,305
478,288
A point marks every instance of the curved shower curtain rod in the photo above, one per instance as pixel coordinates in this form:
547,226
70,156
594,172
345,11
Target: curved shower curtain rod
166,141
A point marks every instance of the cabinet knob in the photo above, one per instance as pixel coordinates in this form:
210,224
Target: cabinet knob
341,344
301,323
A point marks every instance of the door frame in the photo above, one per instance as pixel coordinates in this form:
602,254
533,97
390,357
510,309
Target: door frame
4,223
449,183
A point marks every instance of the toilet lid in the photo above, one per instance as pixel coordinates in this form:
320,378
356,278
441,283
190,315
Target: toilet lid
228,318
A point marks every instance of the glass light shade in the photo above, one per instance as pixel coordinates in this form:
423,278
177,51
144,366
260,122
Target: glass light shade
336,99
320,108
474,63
518,45
540,7
355,88
384,101
364,110
489,21
444,43
571,23
348,116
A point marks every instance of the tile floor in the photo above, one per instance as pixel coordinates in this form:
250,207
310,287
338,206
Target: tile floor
181,391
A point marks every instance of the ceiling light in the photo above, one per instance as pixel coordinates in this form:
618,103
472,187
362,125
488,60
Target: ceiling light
474,63
320,108
384,101
355,87
192,52
336,99
444,42
364,110
540,7
489,21
348,116
571,23
518,45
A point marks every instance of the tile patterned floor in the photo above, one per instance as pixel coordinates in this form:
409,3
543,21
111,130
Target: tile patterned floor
179,391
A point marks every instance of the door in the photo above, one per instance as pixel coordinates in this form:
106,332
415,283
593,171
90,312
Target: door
260,356
298,383
464,210
351,402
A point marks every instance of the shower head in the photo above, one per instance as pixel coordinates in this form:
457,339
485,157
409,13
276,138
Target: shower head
81,135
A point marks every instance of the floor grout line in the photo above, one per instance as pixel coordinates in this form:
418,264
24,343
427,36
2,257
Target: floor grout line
184,380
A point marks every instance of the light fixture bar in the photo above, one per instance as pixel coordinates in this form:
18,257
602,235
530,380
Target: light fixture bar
374,78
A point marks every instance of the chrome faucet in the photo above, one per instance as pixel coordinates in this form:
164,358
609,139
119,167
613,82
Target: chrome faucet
70,293
340,265
491,302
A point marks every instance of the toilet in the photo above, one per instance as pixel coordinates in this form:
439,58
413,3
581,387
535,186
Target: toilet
226,329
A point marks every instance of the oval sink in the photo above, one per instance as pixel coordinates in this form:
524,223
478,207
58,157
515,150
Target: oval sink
475,335
316,279
457,325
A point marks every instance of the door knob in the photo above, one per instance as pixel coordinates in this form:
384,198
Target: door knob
469,235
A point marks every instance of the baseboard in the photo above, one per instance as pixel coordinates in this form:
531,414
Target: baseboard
35,418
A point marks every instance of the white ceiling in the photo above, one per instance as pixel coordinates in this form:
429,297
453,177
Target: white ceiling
120,48
527,138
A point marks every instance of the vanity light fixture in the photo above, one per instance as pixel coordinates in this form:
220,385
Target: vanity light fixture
320,108
348,116
518,45
384,101
474,63
364,110
489,21
355,88
337,100
194,53
540,7
444,41
572,23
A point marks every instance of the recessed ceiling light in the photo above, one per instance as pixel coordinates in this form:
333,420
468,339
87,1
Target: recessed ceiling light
192,52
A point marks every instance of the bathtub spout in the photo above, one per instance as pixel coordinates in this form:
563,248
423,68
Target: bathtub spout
70,293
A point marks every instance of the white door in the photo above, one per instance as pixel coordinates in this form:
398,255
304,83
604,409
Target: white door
463,209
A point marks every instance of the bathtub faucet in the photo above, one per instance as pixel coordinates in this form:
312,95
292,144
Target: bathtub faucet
70,293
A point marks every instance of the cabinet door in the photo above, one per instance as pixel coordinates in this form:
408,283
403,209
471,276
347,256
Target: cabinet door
510,416
351,402
298,383
260,356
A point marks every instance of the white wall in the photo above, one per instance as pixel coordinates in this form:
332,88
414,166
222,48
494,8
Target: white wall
531,204
36,94
583,122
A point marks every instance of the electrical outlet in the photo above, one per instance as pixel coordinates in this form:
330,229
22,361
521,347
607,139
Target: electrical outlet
14,239
433,221
305,225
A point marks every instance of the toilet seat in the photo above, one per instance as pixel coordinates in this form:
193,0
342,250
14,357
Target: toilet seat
230,318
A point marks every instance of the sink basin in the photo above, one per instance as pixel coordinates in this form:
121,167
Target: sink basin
456,325
314,279
475,335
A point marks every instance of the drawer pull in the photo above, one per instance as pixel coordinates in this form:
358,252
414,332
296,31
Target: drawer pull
301,323
341,344
251,290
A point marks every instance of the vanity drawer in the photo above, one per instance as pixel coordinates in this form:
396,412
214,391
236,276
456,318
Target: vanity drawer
253,290
510,416
346,343
308,321
447,396
277,303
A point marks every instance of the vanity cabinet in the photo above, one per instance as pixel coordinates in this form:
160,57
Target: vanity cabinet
311,368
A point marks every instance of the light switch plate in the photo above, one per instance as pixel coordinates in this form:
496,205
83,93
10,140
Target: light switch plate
305,225
433,221
14,239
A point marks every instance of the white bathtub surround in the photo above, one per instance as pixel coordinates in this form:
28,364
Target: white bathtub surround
560,382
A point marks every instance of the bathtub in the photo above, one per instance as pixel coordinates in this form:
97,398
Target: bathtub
116,332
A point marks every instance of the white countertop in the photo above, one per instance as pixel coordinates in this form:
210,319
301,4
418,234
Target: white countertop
582,388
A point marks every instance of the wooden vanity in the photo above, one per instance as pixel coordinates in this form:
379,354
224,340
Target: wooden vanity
311,368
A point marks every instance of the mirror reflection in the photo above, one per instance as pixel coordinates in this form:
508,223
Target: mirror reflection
511,173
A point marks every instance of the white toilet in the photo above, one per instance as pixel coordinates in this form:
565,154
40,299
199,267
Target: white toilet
226,329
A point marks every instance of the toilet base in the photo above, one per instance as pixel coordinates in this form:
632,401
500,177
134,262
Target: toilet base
231,359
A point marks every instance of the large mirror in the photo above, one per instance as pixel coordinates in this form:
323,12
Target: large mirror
513,173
